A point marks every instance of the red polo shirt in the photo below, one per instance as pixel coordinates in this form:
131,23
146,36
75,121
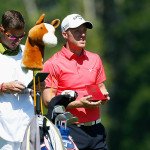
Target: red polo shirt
71,72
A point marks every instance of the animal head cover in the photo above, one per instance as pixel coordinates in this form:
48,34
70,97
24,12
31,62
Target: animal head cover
40,35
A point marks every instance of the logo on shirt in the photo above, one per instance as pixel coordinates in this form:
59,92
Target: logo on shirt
90,70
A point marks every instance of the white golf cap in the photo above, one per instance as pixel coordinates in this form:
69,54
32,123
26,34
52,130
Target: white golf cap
74,21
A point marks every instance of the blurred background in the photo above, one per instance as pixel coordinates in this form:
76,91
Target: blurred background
121,37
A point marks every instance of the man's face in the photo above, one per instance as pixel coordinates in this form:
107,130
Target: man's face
11,38
76,37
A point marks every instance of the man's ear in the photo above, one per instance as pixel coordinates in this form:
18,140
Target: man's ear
65,35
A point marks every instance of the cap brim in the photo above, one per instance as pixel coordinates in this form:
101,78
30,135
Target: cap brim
89,25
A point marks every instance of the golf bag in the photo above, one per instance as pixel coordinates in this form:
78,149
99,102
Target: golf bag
49,132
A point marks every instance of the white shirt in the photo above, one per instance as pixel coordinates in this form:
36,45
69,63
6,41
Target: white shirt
15,109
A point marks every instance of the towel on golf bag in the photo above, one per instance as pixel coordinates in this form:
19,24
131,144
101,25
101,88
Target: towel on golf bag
35,132
66,138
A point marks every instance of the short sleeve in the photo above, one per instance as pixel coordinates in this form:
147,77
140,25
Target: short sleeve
52,78
101,77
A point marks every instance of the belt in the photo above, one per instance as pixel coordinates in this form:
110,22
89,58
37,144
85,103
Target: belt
89,123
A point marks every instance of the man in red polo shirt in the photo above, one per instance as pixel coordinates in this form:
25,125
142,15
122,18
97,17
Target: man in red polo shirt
72,68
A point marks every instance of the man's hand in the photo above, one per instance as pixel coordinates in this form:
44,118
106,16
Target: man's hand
13,87
85,102
105,93
88,103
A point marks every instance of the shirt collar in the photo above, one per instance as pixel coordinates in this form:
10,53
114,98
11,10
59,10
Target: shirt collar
68,54
5,51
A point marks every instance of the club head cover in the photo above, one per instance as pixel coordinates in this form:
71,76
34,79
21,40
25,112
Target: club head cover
63,100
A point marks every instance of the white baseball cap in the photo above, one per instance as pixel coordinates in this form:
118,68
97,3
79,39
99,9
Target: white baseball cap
74,21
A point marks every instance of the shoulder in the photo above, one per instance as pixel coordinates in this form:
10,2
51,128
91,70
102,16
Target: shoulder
52,61
94,58
92,54
55,58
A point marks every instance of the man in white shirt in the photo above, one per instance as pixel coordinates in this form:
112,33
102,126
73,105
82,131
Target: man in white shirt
16,105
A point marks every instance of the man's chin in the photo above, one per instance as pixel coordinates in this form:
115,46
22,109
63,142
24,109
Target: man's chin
13,47
82,46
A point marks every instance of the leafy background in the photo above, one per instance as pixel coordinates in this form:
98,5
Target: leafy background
121,37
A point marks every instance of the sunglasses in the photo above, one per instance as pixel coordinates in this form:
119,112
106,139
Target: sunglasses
14,38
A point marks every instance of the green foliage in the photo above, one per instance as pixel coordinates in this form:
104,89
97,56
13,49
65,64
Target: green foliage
127,39
120,36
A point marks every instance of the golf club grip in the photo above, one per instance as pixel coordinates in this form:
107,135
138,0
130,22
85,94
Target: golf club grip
38,103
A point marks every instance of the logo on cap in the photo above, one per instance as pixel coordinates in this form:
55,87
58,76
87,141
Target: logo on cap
77,16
